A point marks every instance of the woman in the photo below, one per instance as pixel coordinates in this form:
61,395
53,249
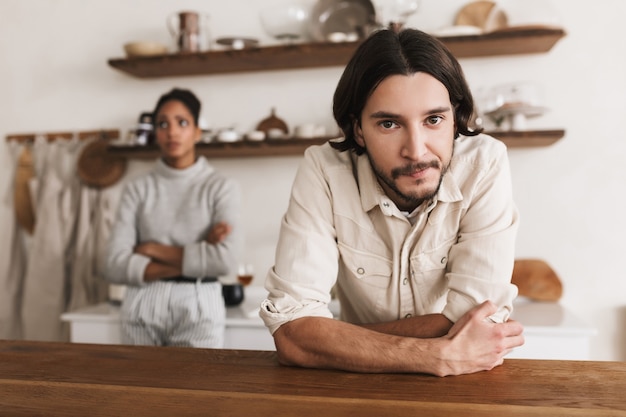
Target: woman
176,232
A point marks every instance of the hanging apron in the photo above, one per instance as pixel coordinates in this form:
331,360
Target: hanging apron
87,285
46,287
13,261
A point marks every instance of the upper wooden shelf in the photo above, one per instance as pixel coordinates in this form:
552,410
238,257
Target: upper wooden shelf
291,147
511,41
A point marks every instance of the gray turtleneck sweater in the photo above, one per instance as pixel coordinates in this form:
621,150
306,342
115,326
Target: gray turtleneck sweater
175,207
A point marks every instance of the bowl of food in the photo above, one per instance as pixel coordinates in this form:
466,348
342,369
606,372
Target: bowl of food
144,48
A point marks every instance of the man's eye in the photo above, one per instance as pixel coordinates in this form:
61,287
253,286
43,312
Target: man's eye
434,120
183,123
387,124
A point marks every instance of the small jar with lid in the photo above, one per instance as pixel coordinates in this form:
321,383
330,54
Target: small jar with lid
144,134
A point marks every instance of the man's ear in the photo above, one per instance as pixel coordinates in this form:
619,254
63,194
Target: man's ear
358,133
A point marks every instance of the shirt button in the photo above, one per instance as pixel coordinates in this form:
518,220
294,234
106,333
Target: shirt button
360,271
408,315
386,204
443,260
405,281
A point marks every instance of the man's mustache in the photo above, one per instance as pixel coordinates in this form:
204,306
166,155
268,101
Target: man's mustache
410,169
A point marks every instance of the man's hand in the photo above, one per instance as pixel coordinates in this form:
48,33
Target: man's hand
218,233
478,344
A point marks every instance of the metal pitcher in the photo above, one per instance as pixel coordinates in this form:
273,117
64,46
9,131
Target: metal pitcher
190,31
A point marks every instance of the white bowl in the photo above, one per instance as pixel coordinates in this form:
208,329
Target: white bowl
255,135
286,22
228,135
144,48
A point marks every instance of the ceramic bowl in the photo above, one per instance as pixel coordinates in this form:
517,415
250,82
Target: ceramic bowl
144,48
233,294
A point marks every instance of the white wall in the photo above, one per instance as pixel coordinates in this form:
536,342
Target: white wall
54,76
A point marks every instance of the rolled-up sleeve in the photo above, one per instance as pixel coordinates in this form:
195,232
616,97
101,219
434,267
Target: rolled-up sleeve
300,283
122,266
481,261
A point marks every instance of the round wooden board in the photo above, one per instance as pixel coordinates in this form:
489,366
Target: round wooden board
97,167
483,14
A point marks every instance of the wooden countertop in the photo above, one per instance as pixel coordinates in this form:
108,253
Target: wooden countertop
39,378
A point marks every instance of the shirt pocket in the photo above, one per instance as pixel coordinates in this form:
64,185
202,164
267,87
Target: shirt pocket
428,270
364,268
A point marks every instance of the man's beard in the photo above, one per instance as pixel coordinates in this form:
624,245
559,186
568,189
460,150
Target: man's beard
416,198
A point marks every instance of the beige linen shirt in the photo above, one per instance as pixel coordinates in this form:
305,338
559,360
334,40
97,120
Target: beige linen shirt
341,230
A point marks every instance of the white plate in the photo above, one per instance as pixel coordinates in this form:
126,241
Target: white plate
459,30
341,16
237,43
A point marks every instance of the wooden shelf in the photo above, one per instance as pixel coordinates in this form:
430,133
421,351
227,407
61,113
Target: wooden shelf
512,41
529,139
295,147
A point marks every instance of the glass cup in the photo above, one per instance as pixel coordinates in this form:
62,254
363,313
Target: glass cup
245,274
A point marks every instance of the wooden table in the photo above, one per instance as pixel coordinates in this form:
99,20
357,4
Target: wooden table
59,379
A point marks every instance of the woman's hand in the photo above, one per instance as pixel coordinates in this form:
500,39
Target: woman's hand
165,254
218,233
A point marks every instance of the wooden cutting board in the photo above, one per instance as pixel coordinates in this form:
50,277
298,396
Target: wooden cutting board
99,168
485,15
536,280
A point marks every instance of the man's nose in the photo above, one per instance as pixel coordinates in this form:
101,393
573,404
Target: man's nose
414,144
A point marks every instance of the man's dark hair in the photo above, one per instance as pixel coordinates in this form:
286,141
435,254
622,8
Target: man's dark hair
386,53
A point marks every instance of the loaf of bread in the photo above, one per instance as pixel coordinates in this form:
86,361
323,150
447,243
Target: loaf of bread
536,280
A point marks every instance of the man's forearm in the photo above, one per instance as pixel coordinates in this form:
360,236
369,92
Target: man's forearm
473,344
427,326
326,343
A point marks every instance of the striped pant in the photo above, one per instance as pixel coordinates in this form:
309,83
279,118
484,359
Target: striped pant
174,314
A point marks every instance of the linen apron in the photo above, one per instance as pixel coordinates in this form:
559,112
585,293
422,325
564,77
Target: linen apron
46,287
13,265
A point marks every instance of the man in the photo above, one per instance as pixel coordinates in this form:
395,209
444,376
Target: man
409,219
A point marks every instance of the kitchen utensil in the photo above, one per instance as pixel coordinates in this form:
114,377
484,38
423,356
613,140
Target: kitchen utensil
144,133
273,125
395,13
237,43
515,103
486,15
245,274
99,168
228,135
24,210
457,30
285,22
306,131
341,16
189,30
256,135
144,48
233,294
536,280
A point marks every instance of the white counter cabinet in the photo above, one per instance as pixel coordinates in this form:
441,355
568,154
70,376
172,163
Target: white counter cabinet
551,331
